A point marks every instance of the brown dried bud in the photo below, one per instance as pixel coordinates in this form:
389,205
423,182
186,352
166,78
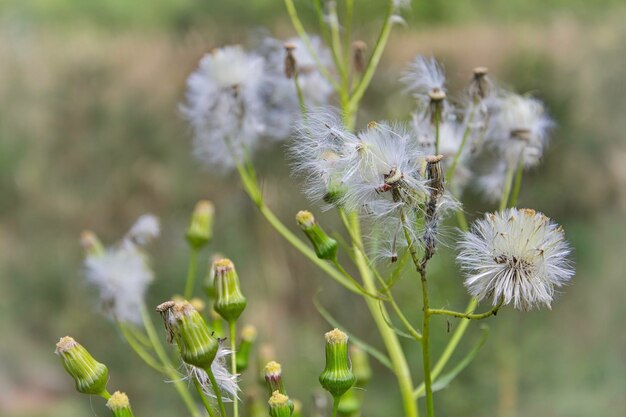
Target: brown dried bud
290,60
358,56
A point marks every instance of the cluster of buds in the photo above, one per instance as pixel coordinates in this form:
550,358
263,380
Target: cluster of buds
325,247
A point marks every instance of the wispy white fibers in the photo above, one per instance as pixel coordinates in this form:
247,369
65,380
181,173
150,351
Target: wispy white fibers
424,75
517,256
518,127
227,382
122,274
224,105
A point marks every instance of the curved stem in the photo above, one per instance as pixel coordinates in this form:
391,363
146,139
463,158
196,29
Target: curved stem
207,405
165,360
232,327
457,156
216,390
191,273
517,185
466,315
139,349
396,355
299,27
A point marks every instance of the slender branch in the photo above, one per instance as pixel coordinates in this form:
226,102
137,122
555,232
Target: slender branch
207,405
216,390
457,156
517,185
507,186
466,315
232,327
139,349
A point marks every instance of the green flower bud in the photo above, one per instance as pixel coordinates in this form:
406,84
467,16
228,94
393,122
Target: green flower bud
229,301
248,336
360,366
91,244
200,230
279,405
325,247
337,377
274,379
90,376
184,324
119,405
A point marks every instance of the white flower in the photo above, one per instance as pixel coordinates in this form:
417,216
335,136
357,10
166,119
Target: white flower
518,127
423,76
226,381
224,105
517,256
122,273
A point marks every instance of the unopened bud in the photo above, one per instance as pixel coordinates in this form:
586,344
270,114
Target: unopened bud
274,377
358,56
279,405
186,326
90,376
325,247
248,336
290,60
229,301
200,230
91,244
119,405
337,377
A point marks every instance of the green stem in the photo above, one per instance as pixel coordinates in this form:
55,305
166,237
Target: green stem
457,156
232,327
372,64
466,315
335,405
437,125
335,40
507,186
300,96
299,27
191,273
517,186
167,364
139,349
390,340
207,405
216,390
449,349
105,394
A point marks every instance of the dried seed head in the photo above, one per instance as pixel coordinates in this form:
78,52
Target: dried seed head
290,65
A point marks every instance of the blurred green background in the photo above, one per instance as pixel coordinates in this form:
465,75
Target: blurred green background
90,137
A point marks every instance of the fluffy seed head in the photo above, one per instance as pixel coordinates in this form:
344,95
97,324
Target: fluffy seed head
425,76
517,256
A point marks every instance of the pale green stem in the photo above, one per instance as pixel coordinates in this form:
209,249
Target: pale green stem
207,405
348,31
299,27
517,186
372,64
139,349
216,390
449,349
335,406
390,340
191,273
232,327
300,96
167,364
508,180
470,316
105,394
457,156
437,126
335,38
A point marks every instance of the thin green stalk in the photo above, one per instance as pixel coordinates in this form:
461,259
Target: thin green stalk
299,27
347,37
335,405
507,187
372,64
139,349
191,273
216,390
105,394
335,39
437,125
457,156
449,349
167,364
470,316
345,273
390,340
300,95
232,328
517,186
207,405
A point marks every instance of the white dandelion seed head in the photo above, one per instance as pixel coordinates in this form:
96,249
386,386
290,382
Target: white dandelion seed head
320,151
145,229
227,383
122,276
517,256
383,171
518,127
224,105
424,75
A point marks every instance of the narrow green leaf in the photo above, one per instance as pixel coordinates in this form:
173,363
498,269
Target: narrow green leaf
391,325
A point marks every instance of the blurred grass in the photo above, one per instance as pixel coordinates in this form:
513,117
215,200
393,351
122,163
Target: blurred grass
90,138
